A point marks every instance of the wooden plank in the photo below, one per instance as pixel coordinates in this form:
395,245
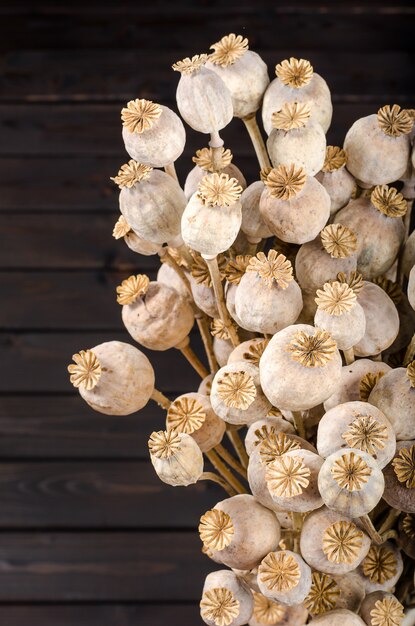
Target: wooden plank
36,362
99,495
111,567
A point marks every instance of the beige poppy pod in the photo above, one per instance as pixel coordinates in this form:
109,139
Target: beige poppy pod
250,350
226,600
205,165
206,385
213,215
296,138
261,429
330,592
351,482
357,382
270,613
408,256
155,315
222,349
380,230
382,320
332,543
234,271
378,146
292,481
331,252
204,297
252,223
243,71
407,534
151,202
381,608
167,275
153,134
336,179
176,457
192,413
284,576
203,99
114,378
411,288
300,368
340,314
339,617
294,206
357,425
394,395
296,81
268,298
382,567
136,243
236,394
400,478
230,532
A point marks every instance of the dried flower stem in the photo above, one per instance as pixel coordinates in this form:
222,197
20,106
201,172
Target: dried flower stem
298,524
216,143
389,521
212,263
161,399
349,356
224,471
257,141
370,529
238,445
299,423
192,358
230,460
390,534
219,480
171,171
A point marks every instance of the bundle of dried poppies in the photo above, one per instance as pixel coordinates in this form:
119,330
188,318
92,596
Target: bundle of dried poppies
302,285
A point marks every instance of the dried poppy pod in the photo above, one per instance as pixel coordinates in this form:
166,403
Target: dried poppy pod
340,314
222,349
292,481
167,275
114,378
230,532
226,600
294,206
253,225
201,285
250,350
243,71
296,81
270,613
153,134
234,272
335,178
407,534
213,215
268,298
394,394
192,413
382,320
284,576
378,146
408,256
382,567
206,385
411,288
357,425
151,201
136,243
155,315
334,592
332,543
380,230
261,430
206,162
321,260
351,482
400,478
296,138
339,617
381,608
203,99
300,368
236,394
176,457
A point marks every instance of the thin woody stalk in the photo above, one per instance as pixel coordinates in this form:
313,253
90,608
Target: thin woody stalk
212,263
370,529
252,127
218,480
216,144
239,447
224,471
171,171
299,423
349,356
229,459
161,399
192,358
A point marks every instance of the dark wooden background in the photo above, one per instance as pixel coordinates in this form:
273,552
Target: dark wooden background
88,535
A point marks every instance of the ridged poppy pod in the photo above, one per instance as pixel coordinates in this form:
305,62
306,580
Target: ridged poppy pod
382,320
114,378
230,532
381,568
136,243
319,261
203,99
332,543
411,288
339,617
406,531
296,138
205,164
155,315
236,394
329,592
284,576
253,225
243,71
408,257
213,215
400,478
261,429
357,425
294,206
340,314
296,81
272,613
379,227
268,298
357,382
206,385
151,201
351,482
250,350
222,349
166,275
394,395
153,134
378,146
336,179
381,608
192,413
226,600
176,457
233,272
300,368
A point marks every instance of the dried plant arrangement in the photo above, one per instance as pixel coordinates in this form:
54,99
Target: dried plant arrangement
302,286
